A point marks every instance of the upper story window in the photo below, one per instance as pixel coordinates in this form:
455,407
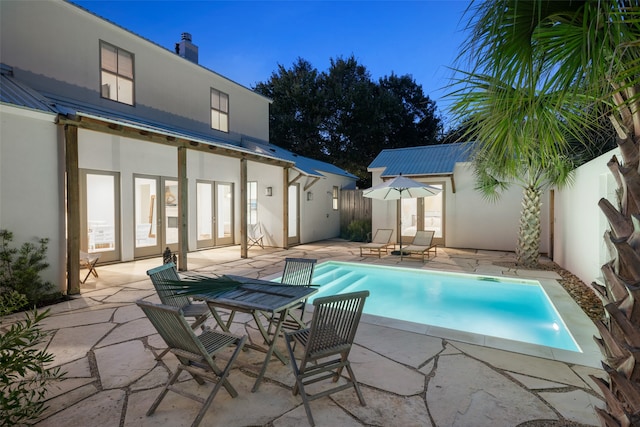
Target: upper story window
219,110
116,74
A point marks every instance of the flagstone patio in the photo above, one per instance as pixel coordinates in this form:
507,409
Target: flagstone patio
411,375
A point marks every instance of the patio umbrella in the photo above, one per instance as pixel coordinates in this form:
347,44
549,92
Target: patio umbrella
398,188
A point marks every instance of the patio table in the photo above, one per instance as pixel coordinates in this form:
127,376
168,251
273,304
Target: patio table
255,296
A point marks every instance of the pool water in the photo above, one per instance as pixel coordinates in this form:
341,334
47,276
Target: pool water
513,309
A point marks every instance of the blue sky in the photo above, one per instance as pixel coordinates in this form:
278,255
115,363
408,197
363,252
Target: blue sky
246,40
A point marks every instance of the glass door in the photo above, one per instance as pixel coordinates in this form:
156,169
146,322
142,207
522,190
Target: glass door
214,216
147,223
224,213
100,223
204,214
425,213
294,218
171,220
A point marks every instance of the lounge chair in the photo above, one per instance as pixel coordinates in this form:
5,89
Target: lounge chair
380,243
327,343
299,272
255,236
422,245
196,354
164,280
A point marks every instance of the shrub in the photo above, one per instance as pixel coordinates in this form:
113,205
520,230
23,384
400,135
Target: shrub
20,269
23,376
358,229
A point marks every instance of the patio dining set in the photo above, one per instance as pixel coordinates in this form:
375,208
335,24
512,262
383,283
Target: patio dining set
317,351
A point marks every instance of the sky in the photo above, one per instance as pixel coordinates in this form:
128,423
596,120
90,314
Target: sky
245,41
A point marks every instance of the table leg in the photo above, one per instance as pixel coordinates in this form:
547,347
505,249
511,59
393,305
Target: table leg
272,344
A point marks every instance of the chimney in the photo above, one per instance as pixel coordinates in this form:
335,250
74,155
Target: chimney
186,49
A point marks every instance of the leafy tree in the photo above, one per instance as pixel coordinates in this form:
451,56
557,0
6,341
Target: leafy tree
344,117
579,55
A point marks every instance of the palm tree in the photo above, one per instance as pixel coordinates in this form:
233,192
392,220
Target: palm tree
585,54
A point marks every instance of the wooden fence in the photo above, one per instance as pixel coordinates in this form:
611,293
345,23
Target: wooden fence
353,206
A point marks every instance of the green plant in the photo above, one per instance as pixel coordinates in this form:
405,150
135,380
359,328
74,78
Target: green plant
23,375
358,229
20,268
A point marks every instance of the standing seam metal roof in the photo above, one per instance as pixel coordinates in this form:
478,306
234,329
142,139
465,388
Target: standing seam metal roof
423,160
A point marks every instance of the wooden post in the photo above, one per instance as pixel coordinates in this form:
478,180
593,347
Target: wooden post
244,249
73,209
183,204
285,208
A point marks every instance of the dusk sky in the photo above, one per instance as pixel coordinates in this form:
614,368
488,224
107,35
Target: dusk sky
246,40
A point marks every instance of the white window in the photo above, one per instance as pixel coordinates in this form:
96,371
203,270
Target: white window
116,74
219,110
252,202
334,198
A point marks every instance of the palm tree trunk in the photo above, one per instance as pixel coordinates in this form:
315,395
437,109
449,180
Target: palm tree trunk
620,331
528,249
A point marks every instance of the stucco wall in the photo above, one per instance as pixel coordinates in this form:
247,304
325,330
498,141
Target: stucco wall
579,223
31,181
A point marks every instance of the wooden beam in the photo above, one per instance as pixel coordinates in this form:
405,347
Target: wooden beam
285,208
73,209
244,250
183,209
294,180
123,130
310,184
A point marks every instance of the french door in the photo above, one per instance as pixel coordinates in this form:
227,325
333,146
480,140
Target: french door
214,213
425,213
100,218
156,215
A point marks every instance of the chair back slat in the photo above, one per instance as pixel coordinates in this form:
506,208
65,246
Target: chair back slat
383,235
298,271
423,238
334,324
164,279
173,328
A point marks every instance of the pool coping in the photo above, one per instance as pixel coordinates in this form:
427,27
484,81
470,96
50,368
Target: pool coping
576,320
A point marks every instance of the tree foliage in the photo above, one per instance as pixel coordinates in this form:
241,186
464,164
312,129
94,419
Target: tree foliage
344,117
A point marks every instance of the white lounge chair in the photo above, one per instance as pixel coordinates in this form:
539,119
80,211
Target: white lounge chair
380,243
422,245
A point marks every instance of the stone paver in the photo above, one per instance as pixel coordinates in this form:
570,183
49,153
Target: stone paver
408,378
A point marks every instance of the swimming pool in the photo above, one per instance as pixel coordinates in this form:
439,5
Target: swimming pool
513,309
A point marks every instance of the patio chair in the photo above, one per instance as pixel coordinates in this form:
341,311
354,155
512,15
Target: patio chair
380,243
297,272
89,262
164,279
327,343
196,354
422,245
255,236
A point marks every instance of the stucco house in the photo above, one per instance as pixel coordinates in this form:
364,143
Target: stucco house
112,144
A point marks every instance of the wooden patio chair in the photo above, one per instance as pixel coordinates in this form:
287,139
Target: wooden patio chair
255,236
422,245
380,243
89,262
327,343
196,354
297,272
164,280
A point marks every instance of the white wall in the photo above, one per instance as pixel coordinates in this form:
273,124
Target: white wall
270,208
475,222
319,220
579,223
31,182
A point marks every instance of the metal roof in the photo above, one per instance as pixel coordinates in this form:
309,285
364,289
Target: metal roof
15,93
305,165
424,160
